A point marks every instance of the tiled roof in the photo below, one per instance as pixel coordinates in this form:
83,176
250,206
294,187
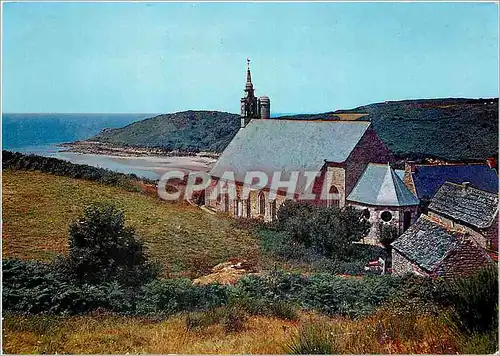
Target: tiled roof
288,145
426,243
469,205
428,178
380,185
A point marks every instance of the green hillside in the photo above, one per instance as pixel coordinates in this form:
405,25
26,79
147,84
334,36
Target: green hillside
453,129
184,131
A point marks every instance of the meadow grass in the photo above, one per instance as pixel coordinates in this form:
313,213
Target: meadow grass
381,333
38,207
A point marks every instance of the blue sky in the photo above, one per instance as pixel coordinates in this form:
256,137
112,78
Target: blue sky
307,57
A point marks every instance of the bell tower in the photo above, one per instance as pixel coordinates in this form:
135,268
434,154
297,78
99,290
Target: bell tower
249,105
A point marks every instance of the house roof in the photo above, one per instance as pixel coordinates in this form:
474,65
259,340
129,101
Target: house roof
380,185
427,243
276,145
428,178
468,205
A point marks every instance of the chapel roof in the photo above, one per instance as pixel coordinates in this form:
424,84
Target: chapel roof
381,185
285,146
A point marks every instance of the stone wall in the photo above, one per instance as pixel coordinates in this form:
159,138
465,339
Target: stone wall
464,260
370,149
375,219
336,176
486,238
408,177
401,265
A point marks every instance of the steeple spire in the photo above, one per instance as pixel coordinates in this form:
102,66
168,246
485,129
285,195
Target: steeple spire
249,85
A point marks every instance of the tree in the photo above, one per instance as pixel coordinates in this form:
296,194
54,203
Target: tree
388,234
328,230
103,249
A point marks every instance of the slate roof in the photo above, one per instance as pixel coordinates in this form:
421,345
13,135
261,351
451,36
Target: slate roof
288,145
472,206
427,243
380,185
428,178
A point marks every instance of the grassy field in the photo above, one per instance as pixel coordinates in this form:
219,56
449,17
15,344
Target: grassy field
114,334
37,208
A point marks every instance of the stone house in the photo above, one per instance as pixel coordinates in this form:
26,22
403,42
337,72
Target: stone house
386,200
431,249
469,210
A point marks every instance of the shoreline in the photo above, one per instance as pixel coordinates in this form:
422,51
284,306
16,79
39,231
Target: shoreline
106,149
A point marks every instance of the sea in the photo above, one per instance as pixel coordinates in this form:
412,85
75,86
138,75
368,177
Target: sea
42,133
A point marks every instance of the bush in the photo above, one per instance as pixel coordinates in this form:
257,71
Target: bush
102,249
36,287
328,231
351,297
169,296
16,160
388,234
474,300
312,339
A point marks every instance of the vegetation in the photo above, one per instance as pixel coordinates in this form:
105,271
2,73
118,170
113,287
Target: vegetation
388,233
19,161
408,127
103,250
37,208
124,305
188,131
319,239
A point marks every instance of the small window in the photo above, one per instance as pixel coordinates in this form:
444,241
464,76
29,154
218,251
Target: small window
262,203
386,216
273,209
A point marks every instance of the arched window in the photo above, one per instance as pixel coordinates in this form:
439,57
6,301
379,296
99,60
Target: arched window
248,208
273,209
406,220
262,203
333,201
226,202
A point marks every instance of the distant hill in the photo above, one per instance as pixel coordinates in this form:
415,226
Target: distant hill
183,131
452,129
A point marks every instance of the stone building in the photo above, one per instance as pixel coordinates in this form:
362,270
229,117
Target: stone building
386,200
336,151
429,248
469,210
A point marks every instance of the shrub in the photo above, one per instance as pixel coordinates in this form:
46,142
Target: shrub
102,249
388,234
312,339
474,300
234,320
35,287
352,297
168,296
16,160
329,231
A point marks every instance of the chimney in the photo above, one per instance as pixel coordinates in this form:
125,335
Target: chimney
492,162
465,187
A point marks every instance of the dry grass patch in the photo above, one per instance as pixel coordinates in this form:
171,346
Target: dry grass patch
381,333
